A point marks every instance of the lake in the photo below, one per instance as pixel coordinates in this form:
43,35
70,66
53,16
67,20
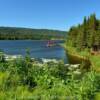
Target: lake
38,49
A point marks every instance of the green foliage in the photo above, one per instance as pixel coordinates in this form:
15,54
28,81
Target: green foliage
2,58
11,33
23,79
85,35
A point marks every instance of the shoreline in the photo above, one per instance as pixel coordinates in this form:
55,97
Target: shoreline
75,58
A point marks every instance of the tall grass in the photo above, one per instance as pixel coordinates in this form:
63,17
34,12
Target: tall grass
23,79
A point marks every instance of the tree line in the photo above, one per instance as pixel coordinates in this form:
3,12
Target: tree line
85,35
13,33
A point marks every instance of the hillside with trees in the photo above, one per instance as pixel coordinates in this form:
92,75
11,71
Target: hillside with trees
85,35
13,33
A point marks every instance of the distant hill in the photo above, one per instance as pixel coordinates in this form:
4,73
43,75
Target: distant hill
14,33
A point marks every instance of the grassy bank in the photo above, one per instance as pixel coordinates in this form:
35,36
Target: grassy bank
80,56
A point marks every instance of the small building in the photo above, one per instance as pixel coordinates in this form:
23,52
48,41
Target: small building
95,49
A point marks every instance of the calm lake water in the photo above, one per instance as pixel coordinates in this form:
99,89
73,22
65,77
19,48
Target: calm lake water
38,49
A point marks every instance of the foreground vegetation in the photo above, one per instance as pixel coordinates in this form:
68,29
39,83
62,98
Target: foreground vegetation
28,80
13,33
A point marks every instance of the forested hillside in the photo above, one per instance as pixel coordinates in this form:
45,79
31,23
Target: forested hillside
13,33
85,35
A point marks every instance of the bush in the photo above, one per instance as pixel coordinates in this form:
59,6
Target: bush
23,79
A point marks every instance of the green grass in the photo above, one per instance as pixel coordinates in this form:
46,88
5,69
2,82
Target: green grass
96,62
23,79
95,59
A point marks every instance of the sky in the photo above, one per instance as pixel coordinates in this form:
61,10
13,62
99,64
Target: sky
46,14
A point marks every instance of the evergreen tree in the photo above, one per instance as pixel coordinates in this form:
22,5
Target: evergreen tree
86,34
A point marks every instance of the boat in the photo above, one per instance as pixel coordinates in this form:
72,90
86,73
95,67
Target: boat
50,43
